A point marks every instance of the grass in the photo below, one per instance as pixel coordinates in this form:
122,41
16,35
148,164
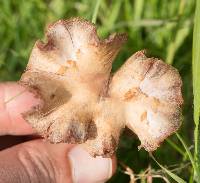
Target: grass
196,86
164,28
94,17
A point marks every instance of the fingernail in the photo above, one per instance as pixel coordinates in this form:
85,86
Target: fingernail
86,169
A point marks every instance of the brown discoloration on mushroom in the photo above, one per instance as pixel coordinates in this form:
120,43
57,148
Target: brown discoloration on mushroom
143,116
131,94
62,70
71,63
155,104
84,104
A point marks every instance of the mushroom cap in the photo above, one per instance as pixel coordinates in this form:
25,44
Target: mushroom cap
151,90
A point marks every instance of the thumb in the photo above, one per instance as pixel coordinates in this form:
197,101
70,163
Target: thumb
86,169
38,161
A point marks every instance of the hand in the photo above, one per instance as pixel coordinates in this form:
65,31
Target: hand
38,161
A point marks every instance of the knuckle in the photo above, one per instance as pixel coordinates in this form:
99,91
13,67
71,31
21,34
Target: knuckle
36,164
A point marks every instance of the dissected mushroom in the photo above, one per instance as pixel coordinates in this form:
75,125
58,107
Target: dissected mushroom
84,104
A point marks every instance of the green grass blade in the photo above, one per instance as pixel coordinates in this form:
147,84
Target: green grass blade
111,18
196,79
181,35
178,149
138,9
96,9
128,10
172,175
196,72
187,150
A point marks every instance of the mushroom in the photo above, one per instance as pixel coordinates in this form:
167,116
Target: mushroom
84,104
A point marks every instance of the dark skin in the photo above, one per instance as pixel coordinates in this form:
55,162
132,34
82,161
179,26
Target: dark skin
34,160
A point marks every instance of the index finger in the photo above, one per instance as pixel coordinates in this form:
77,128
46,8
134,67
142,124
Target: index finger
14,100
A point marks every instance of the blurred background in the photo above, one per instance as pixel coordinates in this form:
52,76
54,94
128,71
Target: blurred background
162,27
